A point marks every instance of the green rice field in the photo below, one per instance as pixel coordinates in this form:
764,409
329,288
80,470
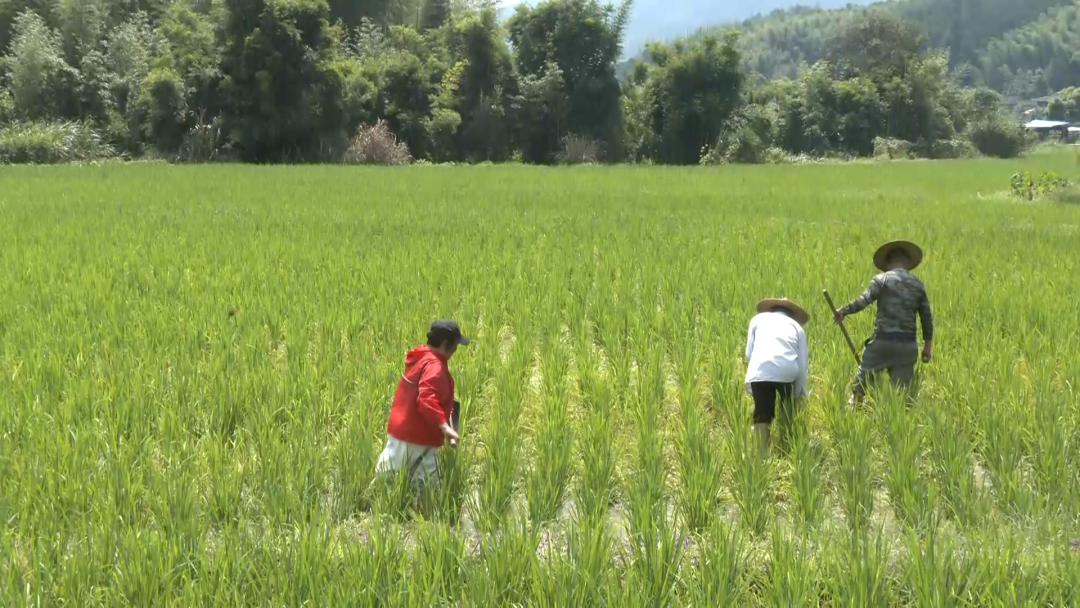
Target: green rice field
197,364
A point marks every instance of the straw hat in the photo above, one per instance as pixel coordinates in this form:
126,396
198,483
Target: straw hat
881,256
797,312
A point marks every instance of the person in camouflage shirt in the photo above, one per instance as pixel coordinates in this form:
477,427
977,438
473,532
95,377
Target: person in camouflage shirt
900,297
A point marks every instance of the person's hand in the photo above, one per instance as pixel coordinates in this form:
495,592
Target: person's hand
927,352
837,317
449,434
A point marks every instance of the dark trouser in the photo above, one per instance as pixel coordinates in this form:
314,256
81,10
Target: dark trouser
765,395
898,357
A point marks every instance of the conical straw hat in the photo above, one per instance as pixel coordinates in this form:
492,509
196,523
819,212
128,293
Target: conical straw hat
797,312
914,253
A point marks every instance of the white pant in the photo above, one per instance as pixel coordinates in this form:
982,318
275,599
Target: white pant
420,460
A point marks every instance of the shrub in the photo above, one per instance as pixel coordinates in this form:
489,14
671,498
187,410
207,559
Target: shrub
161,105
741,145
377,145
1027,187
1069,195
746,147
998,137
952,148
7,107
56,142
577,149
711,155
779,156
442,129
892,149
203,141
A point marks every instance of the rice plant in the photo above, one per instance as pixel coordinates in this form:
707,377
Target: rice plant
793,573
656,543
699,462
951,455
752,475
909,490
936,573
1002,451
718,576
807,491
854,450
197,365
547,482
438,566
858,573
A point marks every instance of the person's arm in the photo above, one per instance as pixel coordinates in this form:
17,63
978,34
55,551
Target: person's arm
872,293
427,400
804,366
750,349
750,339
926,317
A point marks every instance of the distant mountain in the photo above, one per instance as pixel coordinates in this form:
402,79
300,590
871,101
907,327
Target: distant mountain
665,20
1025,48
668,19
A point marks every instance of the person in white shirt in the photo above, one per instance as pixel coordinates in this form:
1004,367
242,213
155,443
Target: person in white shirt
776,355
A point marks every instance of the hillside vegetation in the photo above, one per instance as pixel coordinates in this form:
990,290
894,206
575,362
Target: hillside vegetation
396,81
1018,48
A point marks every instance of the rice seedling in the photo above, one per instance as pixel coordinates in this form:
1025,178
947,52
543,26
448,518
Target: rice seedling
854,447
581,572
699,464
806,487
936,574
858,574
509,559
951,455
752,476
720,572
547,482
1003,576
655,540
793,573
1048,438
452,493
909,490
1001,448
502,441
382,556
595,485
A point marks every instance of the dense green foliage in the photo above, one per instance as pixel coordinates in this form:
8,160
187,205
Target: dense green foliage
292,80
197,364
1041,57
298,80
1020,48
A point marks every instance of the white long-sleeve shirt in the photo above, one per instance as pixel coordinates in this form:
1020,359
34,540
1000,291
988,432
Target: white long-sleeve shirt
776,351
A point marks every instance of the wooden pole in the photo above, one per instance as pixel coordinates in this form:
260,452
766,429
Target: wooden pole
847,337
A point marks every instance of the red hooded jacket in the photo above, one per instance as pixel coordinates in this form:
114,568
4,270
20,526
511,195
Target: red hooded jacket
424,399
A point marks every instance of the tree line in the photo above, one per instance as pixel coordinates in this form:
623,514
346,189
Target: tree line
449,80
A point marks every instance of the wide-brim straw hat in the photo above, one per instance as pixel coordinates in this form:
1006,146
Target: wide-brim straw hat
797,312
914,253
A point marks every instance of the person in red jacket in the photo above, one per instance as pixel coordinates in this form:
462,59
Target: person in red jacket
421,415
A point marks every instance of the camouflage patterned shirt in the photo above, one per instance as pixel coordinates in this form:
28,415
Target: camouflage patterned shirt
900,295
